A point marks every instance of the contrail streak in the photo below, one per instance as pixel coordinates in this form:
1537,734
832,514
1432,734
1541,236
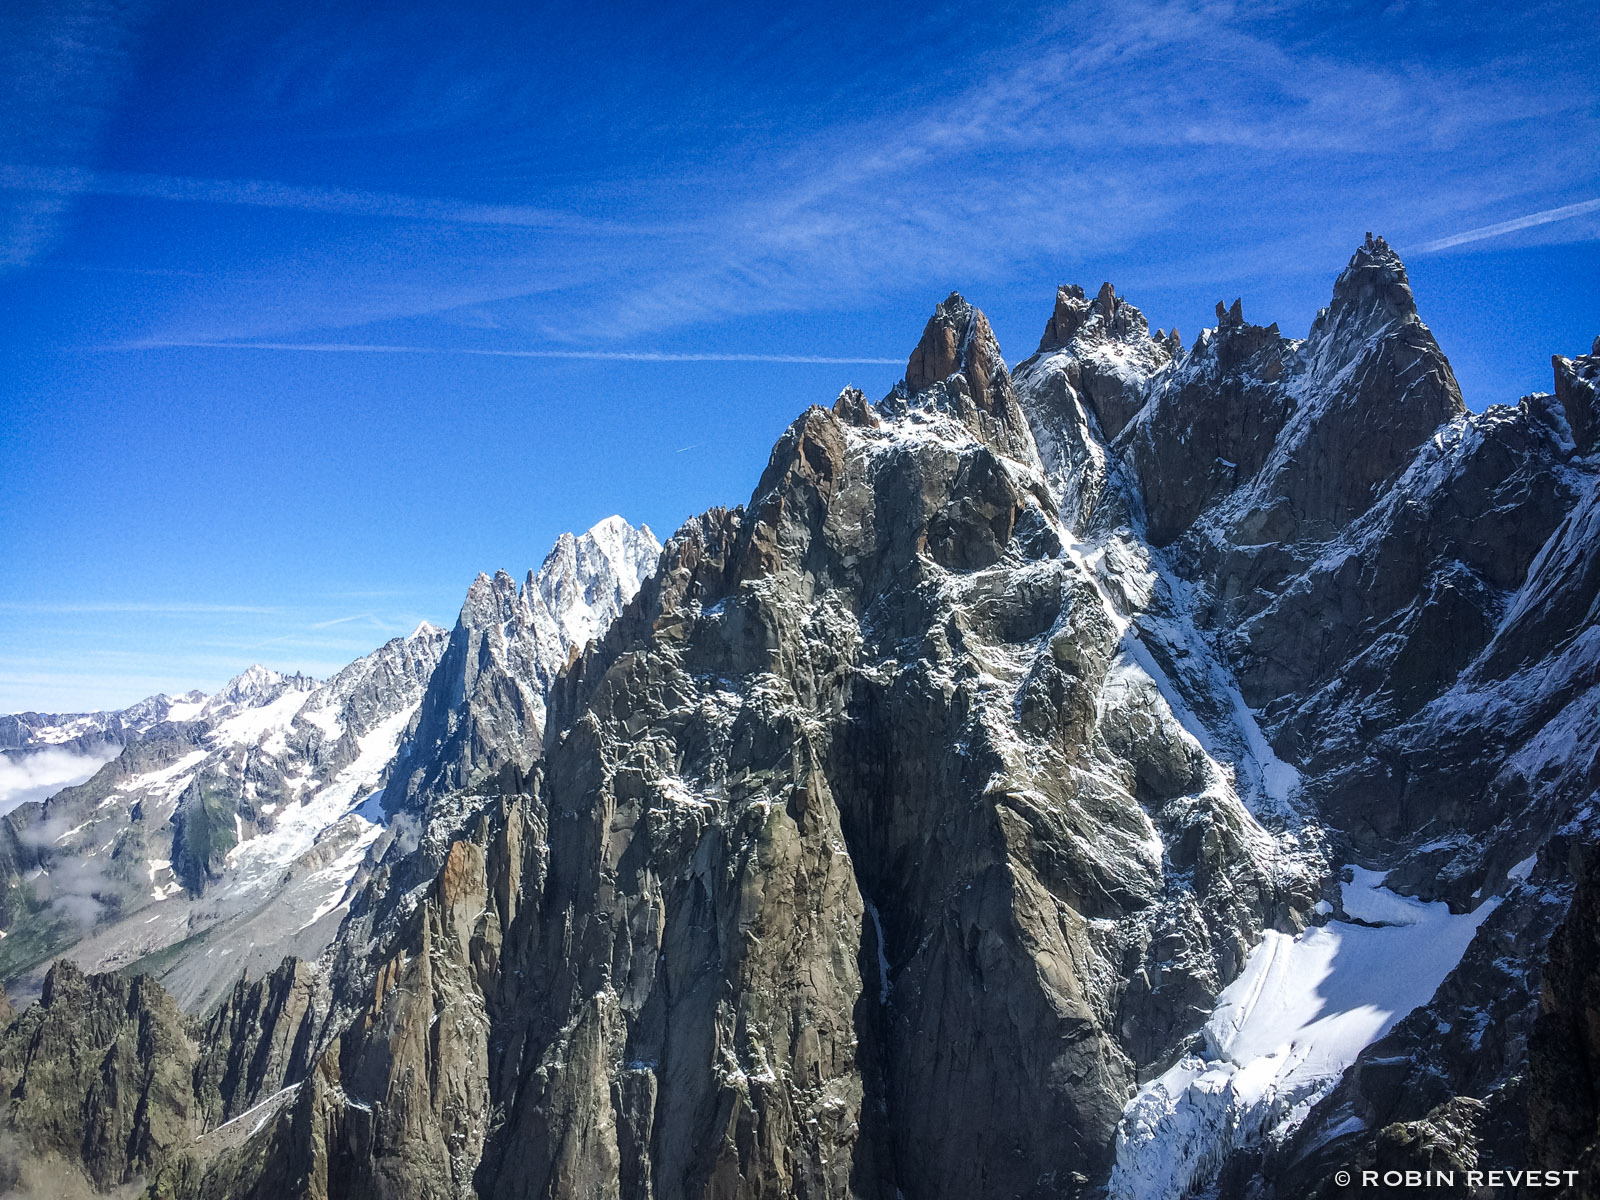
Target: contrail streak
602,355
1516,223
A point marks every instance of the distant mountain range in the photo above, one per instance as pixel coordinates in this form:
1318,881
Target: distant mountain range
228,831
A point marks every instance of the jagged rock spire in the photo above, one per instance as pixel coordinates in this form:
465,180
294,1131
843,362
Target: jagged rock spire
1577,388
1228,318
1071,311
958,363
1372,289
1108,313
957,339
853,409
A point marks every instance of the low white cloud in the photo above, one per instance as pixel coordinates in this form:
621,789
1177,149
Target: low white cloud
40,774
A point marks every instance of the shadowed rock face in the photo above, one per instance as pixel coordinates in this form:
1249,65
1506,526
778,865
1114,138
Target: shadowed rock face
1577,390
109,1074
1564,1053
1302,433
913,815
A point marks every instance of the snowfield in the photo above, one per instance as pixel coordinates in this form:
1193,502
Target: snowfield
1283,1033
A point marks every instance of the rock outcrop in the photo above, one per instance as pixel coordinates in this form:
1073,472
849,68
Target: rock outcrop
98,1073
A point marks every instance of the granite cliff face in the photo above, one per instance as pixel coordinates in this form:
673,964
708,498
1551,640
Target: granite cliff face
1151,772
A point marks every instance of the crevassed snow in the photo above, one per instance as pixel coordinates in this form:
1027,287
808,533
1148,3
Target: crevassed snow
336,875
1284,1032
259,860
326,719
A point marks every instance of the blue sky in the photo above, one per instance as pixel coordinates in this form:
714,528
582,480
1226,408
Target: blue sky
203,207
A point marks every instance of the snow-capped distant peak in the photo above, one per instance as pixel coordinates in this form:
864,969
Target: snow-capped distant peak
586,580
631,552
423,629
255,686
250,682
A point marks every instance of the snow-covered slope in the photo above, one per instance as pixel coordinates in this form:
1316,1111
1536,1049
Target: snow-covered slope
200,827
1284,1032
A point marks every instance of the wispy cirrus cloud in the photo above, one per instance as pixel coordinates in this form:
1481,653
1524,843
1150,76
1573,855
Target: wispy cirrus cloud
267,193
661,356
161,607
1106,133
62,68
1093,131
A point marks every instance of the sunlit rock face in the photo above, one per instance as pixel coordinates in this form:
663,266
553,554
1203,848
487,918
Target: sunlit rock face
1147,772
